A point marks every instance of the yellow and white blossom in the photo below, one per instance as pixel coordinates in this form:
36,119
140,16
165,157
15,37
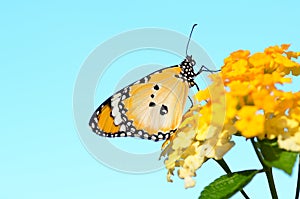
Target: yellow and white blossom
243,98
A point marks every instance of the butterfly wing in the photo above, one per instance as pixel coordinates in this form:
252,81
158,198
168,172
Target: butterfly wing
150,108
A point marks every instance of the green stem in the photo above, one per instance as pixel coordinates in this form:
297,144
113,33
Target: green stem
257,153
267,169
269,175
226,168
298,180
224,165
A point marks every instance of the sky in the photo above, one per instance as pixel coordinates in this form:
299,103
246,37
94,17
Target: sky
44,47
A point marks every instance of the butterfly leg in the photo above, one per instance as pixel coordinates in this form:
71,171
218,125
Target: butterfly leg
191,101
205,69
197,86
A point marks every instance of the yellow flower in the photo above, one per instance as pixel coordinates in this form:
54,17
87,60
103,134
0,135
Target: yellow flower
277,78
193,143
295,113
284,61
240,66
264,100
276,49
285,124
290,141
285,46
217,144
296,71
271,130
238,88
231,107
193,162
292,54
189,182
286,100
244,97
260,60
280,125
202,95
249,123
269,80
239,54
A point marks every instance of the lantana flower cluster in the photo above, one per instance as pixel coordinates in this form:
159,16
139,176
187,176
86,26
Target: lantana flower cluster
245,98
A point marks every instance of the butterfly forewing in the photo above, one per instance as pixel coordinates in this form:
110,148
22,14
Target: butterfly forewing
159,105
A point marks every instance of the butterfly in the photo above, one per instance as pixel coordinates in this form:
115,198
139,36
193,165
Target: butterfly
150,108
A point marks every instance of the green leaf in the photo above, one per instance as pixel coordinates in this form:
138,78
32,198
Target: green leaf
227,185
276,157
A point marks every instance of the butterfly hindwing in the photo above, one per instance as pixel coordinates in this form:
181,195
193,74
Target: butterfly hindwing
150,108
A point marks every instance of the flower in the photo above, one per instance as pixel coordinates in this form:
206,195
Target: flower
250,123
260,60
290,141
243,99
193,144
264,100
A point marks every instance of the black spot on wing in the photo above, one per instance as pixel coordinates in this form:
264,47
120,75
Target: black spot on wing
156,87
163,110
152,104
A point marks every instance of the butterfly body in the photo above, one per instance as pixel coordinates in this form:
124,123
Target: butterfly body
150,108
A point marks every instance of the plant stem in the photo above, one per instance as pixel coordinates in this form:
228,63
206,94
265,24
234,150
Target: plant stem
258,153
224,165
267,169
269,175
298,180
226,168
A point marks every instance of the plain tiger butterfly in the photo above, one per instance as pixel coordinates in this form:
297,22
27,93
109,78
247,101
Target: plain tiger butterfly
150,108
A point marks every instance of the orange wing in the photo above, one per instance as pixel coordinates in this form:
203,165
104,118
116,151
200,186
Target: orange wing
102,121
151,108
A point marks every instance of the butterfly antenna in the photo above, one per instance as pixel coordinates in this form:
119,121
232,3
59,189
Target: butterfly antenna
188,43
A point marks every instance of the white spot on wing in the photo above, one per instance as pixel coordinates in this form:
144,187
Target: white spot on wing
117,119
122,127
122,134
115,112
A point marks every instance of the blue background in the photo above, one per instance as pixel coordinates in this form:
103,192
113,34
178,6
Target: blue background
42,46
